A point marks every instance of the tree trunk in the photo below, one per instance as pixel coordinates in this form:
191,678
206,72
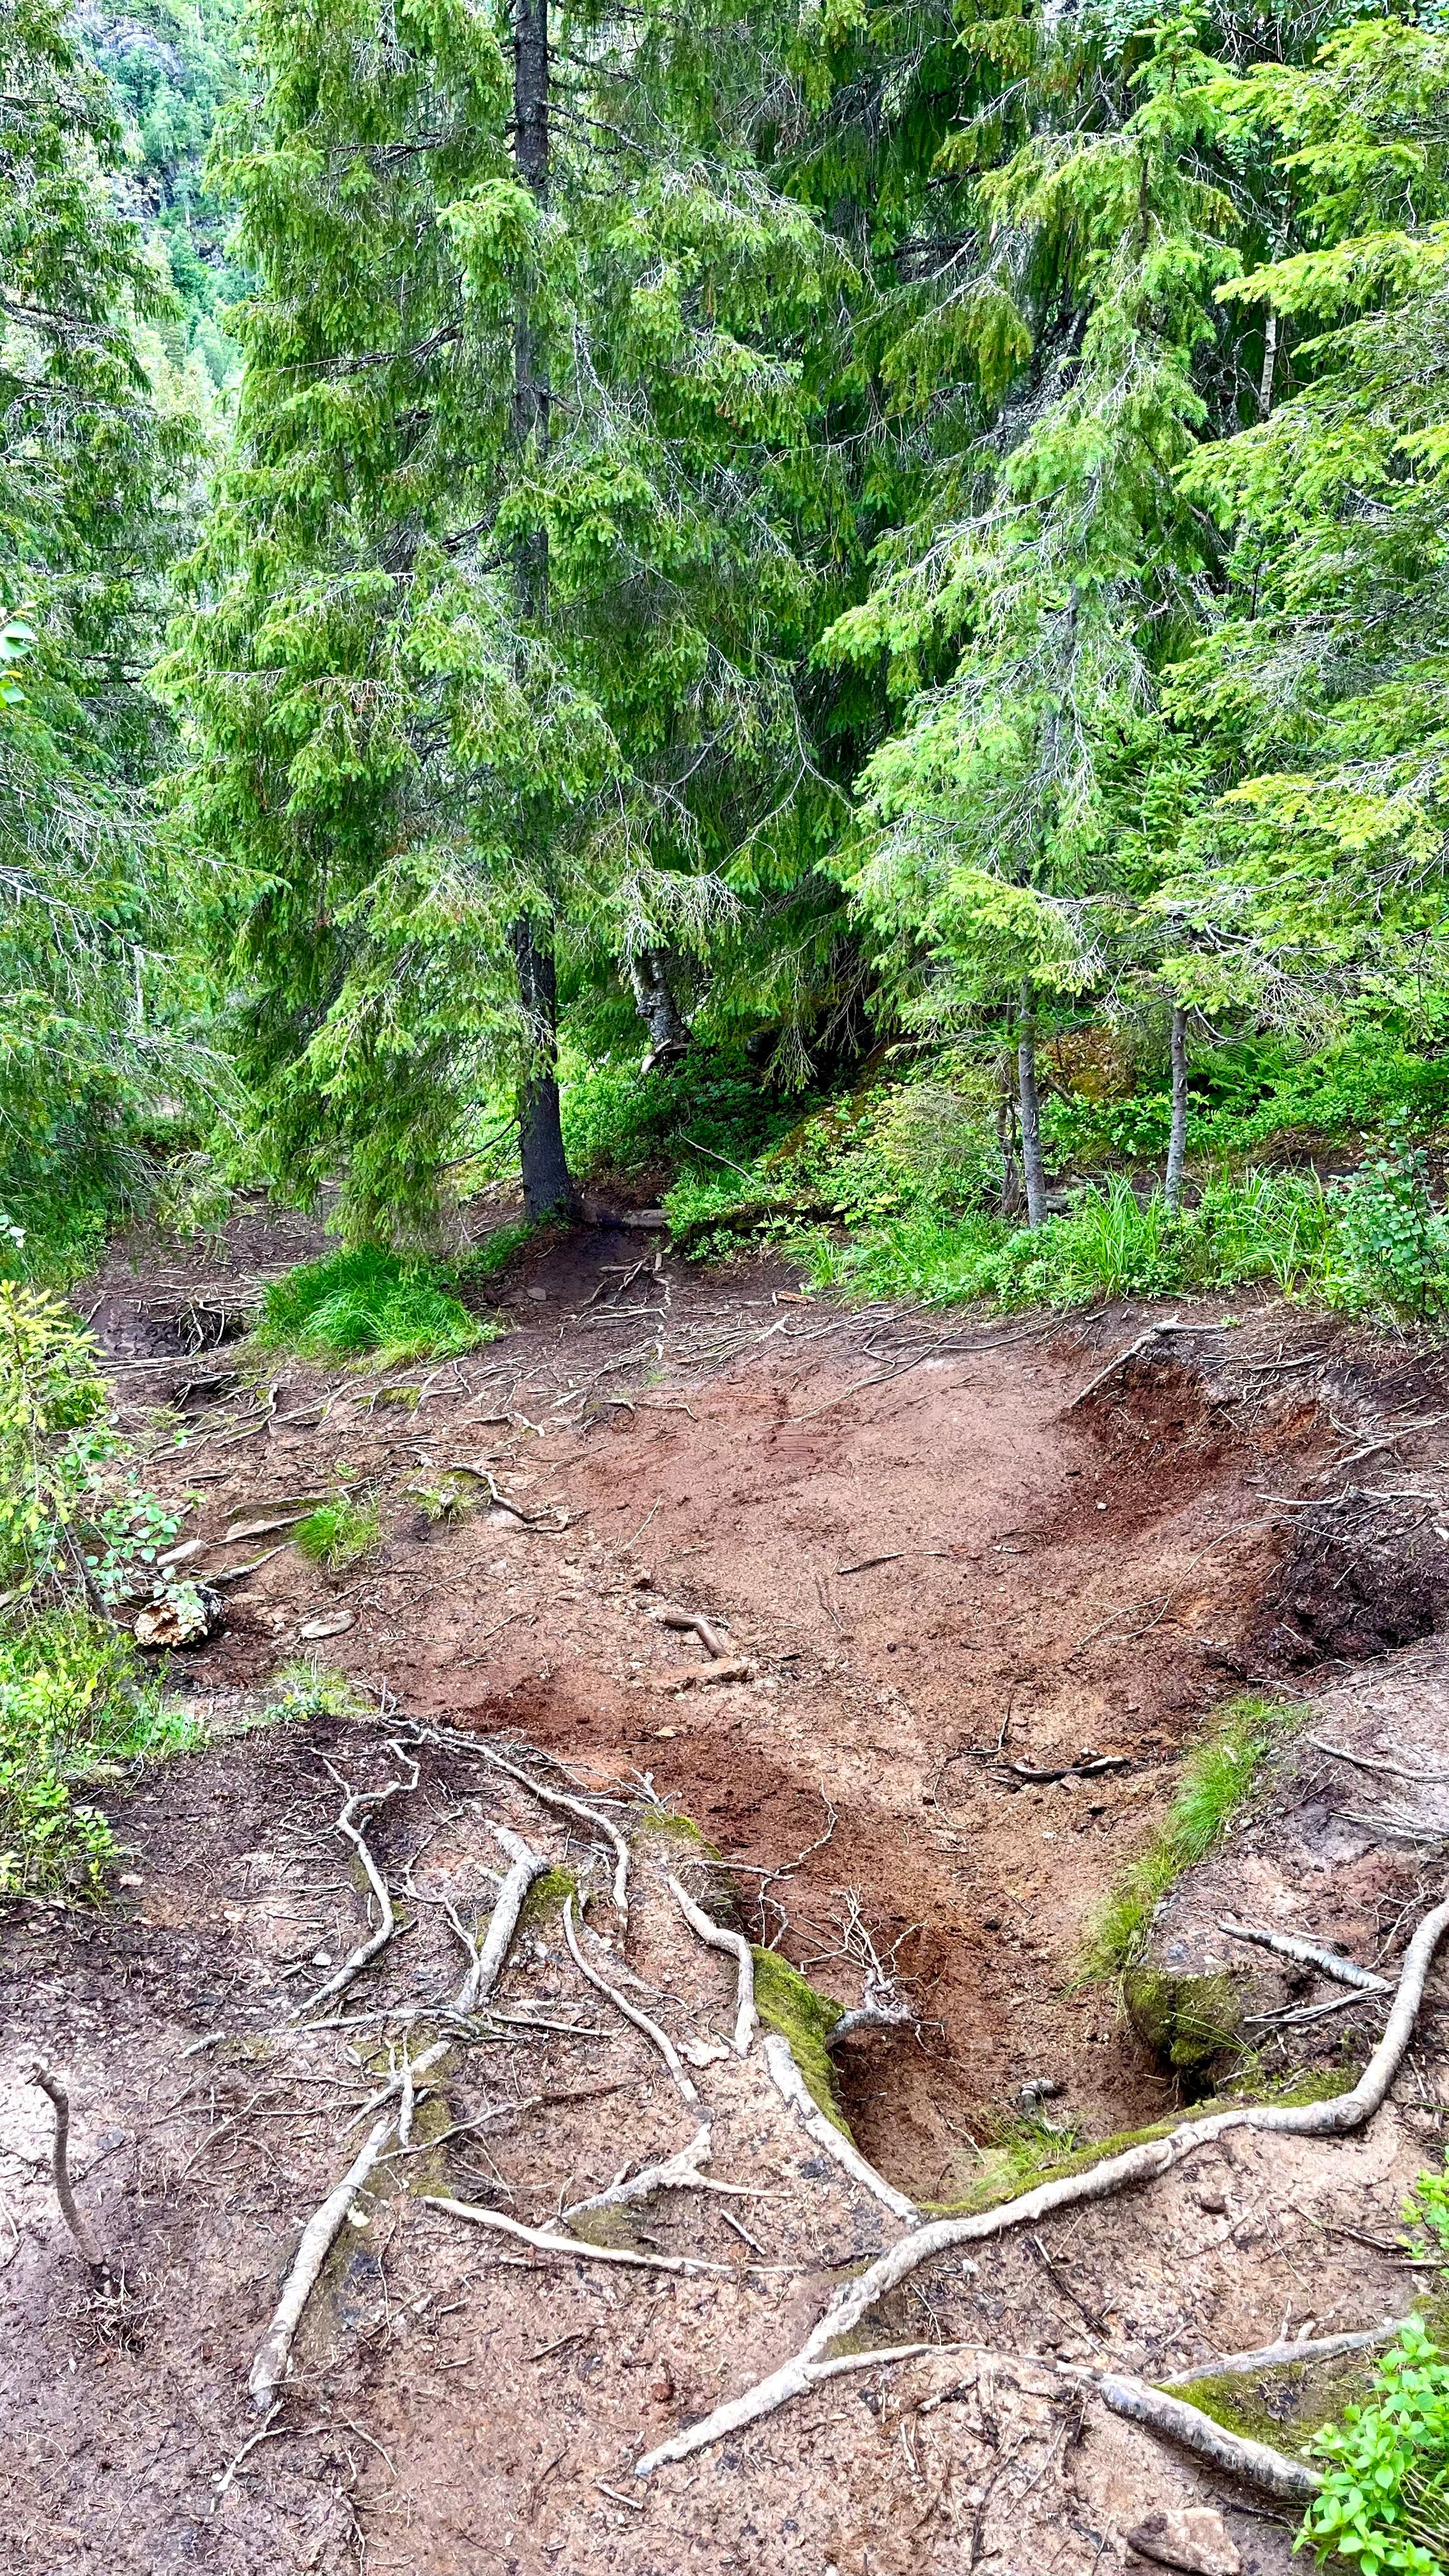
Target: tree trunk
1270,352
1006,1140
547,1183
1177,1138
656,1005
1031,1166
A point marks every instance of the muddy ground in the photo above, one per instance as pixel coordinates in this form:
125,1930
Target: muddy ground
926,1560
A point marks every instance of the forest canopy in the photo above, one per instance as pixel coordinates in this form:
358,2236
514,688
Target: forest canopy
572,576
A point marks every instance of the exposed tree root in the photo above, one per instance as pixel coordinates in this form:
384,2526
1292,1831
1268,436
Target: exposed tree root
1274,2355
557,1798
842,2150
683,2172
747,2020
1309,1954
360,1802
52,2086
1145,2163
545,2241
525,1866
315,2244
658,2038
1254,2462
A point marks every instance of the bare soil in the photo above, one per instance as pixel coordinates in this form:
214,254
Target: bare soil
932,1563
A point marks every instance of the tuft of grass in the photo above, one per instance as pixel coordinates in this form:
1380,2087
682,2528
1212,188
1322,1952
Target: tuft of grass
339,1534
307,1689
76,1704
370,1305
494,1253
1218,1776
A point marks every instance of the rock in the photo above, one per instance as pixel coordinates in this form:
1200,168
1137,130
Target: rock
1191,2537
186,1617
336,1626
1038,2088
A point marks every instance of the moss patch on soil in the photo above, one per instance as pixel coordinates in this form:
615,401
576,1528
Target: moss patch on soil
548,1896
1287,2404
788,2003
1188,2022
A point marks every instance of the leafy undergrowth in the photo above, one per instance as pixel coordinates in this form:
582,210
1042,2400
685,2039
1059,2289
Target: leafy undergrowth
1384,2502
368,1304
1218,1776
75,1705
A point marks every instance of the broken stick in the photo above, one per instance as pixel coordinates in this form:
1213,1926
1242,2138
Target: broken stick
60,2166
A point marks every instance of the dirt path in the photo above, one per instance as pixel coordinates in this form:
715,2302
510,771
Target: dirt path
931,1564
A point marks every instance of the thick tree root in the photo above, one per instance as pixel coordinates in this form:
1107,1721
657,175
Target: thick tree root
556,1798
1273,2356
789,2082
1256,2463
747,2020
657,2038
1308,1954
1145,2163
317,2239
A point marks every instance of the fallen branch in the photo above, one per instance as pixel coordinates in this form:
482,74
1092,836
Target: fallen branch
487,1967
60,2166
360,1802
545,2241
1309,1954
692,1622
843,2151
715,1937
1255,2462
314,2245
1147,2162
657,2038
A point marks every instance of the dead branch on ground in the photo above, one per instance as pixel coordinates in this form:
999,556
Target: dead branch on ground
52,2086
715,1936
657,2038
1140,2164
269,2369
1273,2356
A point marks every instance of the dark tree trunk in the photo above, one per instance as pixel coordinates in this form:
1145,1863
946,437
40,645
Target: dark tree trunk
656,1005
1030,1113
547,1184
1177,1136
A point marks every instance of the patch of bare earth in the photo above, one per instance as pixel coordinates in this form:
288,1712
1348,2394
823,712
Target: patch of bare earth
925,1563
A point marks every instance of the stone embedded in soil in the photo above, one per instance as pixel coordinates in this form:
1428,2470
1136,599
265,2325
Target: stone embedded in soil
1192,2537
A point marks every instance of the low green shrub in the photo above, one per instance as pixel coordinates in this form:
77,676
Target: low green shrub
73,1698
368,1304
1384,2502
1218,1776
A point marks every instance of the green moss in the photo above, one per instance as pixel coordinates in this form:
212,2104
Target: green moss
1286,2405
788,2003
547,1897
1187,2022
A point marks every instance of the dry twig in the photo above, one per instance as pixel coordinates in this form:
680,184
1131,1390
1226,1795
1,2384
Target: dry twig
52,2086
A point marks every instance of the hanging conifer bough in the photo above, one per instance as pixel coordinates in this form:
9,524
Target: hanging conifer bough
490,652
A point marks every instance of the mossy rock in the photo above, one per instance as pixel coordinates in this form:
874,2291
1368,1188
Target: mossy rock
788,2003
1188,2023
1286,2405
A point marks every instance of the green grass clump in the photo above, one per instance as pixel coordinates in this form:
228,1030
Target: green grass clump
1217,1777
339,1534
367,1304
74,1701
788,2003
307,1689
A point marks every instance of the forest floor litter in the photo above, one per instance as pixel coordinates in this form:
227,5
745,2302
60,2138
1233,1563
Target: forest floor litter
911,1621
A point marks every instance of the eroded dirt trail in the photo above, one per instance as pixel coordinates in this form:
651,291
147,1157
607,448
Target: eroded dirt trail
924,1562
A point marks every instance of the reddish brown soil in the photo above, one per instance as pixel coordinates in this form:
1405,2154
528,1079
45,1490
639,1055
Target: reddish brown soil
933,1564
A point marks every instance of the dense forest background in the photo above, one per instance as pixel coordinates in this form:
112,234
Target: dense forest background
841,611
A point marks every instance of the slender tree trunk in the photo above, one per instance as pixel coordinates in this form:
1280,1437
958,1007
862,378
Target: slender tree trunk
1270,352
1005,1138
1177,1137
1031,1165
547,1182
656,1005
